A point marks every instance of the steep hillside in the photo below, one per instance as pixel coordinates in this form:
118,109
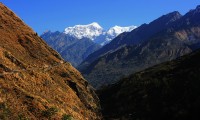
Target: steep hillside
169,91
70,48
35,83
176,40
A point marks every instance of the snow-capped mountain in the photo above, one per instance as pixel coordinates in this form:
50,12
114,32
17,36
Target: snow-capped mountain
96,33
115,31
90,31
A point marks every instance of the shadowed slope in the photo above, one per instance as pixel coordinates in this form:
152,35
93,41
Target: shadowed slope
169,91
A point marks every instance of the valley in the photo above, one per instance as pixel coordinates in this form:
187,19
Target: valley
88,72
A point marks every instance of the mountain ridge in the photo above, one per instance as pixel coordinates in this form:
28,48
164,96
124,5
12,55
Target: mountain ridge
90,37
123,55
69,47
137,34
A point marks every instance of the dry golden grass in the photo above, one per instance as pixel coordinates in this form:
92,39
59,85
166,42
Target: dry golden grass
33,80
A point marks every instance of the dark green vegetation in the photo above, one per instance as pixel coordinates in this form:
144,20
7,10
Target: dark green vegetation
70,48
169,91
67,117
164,39
4,111
49,112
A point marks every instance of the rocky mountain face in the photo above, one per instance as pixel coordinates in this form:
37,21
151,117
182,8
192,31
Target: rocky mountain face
35,83
169,91
164,39
70,48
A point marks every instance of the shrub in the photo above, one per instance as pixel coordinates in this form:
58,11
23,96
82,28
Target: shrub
4,111
64,74
22,117
67,117
49,112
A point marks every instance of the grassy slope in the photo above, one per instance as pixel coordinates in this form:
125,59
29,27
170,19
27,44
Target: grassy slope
34,89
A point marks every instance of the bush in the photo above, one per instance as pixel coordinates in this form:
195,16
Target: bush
22,117
4,111
67,117
49,112
64,74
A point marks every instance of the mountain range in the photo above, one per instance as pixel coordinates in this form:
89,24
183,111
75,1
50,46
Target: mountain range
149,73
90,37
167,91
96,33
164,39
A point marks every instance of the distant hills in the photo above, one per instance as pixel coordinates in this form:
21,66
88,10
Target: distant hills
164,39
76,43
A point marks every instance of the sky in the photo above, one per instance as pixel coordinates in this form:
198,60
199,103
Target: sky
56,15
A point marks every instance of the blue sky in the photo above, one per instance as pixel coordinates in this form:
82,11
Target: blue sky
55,15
